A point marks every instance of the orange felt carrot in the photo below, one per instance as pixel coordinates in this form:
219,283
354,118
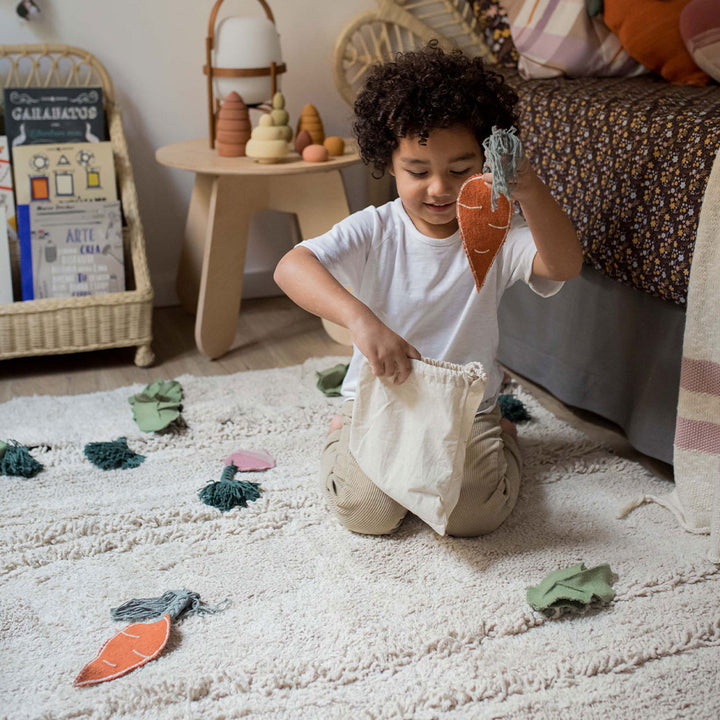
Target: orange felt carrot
130,648
482,229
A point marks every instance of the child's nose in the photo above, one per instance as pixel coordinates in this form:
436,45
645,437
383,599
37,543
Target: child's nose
439,185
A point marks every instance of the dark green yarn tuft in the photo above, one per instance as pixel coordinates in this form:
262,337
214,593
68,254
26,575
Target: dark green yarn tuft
18,462
513,409
227,493
113,455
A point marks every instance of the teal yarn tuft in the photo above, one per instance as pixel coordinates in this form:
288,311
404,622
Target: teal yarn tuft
513,409
227,493
503,155
113,455
18,462
176,603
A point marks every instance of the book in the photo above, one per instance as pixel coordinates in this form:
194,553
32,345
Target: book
64,173
6,291
7,195
70,249
53,115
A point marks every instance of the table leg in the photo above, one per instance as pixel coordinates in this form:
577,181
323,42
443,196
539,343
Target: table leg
191,255
233,202
319,201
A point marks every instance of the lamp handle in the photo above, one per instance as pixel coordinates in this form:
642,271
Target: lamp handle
214,14
209,45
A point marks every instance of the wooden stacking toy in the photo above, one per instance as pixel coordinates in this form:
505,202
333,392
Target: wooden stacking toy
233,127
281,116
267,143
310,121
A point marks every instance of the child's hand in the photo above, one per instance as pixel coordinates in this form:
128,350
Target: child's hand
525,184
388,354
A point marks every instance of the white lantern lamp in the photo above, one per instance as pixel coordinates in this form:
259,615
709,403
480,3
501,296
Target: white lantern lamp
247,60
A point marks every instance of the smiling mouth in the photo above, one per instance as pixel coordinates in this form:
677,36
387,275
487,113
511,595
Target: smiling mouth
439,207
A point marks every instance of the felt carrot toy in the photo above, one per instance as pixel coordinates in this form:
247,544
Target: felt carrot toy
482,229
484,213
140,642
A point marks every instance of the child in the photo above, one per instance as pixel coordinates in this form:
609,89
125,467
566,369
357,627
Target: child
423,118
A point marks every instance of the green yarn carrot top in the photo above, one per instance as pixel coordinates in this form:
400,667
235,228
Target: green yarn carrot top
16,460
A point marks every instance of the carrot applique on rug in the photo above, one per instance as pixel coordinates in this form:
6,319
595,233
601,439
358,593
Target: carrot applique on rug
484,213
132,647
140,642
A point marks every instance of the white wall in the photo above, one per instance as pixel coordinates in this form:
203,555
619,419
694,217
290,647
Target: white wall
154,51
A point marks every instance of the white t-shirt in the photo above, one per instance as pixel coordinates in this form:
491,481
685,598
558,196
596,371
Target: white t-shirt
423,289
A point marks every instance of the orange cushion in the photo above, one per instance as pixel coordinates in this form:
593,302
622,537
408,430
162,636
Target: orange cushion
649,30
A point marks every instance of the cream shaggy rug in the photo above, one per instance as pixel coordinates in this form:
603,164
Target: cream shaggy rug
323,623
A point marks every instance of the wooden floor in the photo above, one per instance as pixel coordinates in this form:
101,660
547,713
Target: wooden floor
272,332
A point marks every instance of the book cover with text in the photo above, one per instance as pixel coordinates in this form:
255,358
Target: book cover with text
71,250
53,115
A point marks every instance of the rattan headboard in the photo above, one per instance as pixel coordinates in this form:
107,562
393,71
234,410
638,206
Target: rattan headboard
398,26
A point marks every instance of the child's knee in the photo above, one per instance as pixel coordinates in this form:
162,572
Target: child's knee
365,510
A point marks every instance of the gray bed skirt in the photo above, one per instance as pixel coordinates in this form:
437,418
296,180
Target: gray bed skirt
604,347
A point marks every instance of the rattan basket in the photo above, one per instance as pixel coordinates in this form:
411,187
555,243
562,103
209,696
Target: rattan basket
94,322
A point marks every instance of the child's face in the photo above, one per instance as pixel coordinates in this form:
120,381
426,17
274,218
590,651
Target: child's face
429,176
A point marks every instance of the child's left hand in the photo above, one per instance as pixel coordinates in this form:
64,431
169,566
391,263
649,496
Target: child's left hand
526,183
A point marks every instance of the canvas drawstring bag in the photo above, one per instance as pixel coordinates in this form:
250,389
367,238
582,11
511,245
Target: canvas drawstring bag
410,439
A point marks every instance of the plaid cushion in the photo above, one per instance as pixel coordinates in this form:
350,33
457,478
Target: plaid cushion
558,37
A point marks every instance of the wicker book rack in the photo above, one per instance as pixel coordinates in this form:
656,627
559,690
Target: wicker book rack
95,322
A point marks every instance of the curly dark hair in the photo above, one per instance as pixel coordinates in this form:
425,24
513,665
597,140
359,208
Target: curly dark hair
427,89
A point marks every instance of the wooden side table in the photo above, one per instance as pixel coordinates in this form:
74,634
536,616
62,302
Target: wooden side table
226,194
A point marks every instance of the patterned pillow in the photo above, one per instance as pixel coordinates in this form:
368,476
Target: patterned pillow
650,31
496,30
558,37
700,30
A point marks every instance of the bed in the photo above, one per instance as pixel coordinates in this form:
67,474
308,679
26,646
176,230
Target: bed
629,159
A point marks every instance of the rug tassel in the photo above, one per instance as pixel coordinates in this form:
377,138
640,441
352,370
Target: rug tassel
228,493
512,408
17,461
113,455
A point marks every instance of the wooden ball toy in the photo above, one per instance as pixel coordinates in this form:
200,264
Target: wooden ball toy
335,145
315,153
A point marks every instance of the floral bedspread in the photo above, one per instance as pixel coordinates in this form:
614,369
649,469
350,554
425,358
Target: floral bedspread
629,160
